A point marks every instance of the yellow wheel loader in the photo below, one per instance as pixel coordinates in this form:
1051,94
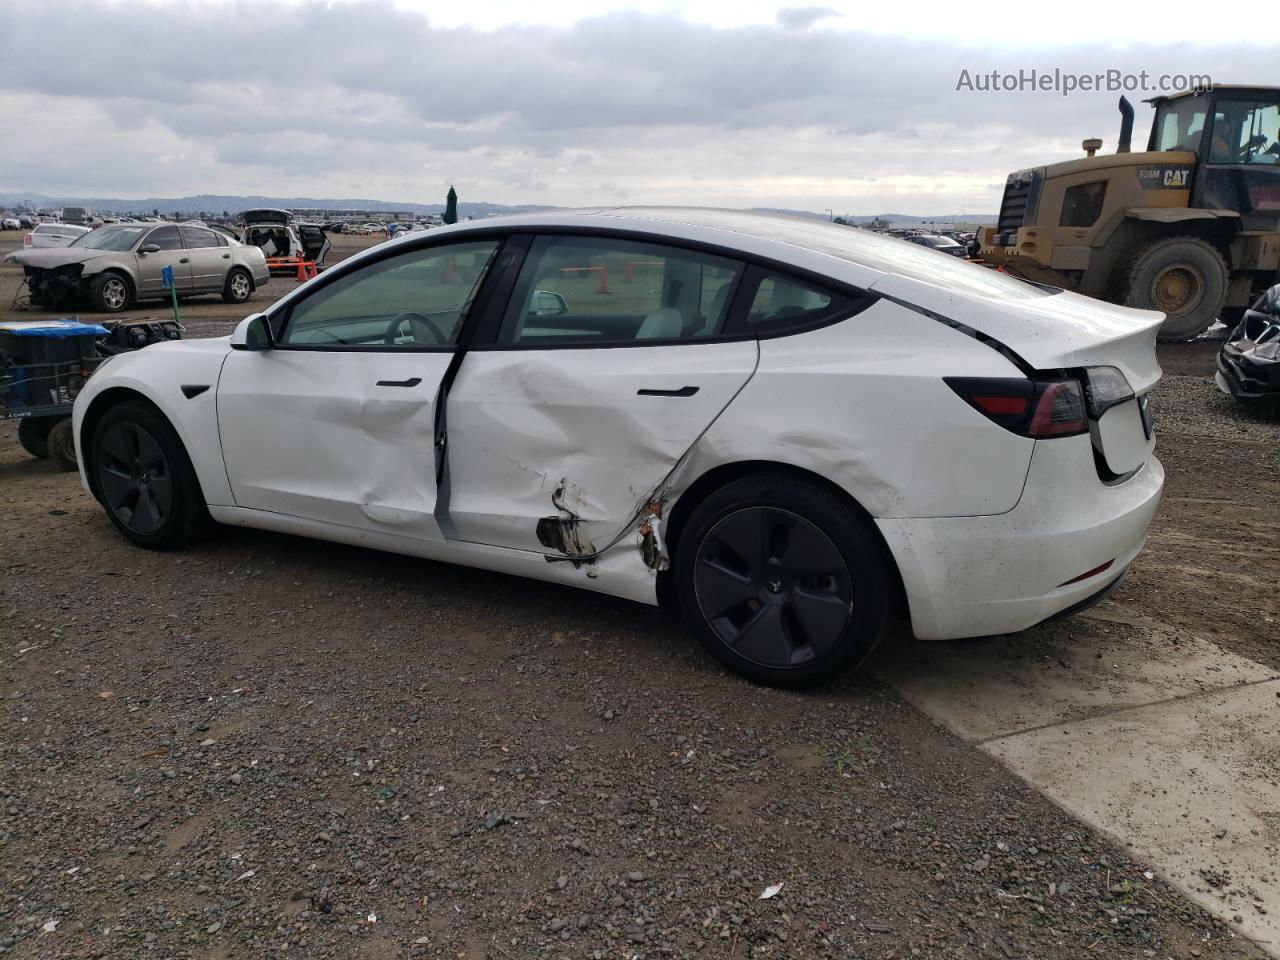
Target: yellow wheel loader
1190,226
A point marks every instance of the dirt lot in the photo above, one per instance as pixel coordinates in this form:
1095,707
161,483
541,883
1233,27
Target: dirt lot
264,746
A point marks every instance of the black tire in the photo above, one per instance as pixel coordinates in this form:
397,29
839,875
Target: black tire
783,581
142,476
61,443
1184,277
33,434
239,286
109,293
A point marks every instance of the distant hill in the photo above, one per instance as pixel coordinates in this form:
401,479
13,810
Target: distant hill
216,204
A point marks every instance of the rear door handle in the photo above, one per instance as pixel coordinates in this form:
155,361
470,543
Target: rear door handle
411,382
183,260
682,392
226,256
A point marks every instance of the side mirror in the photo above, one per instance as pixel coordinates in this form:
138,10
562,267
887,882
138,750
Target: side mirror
253,333
546,303
149,248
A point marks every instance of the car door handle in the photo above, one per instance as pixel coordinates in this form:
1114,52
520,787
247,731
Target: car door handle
682,392
411,382
183,260
226,256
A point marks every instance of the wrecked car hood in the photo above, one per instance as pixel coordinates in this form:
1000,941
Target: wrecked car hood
1051,331
52,257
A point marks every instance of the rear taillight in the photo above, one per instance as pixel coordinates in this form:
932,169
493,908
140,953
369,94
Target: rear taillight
1104,388
26,240
1032,408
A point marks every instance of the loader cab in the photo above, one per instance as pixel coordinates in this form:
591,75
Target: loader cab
1235,134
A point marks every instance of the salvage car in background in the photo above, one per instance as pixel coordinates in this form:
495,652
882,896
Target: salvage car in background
941,244
53,235
278,236
785,426
1249,361
114,266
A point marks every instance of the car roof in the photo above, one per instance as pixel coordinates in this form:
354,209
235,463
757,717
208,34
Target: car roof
846,254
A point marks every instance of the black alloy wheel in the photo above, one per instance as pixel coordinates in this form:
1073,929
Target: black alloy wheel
773,587
783,579
141,474
135,477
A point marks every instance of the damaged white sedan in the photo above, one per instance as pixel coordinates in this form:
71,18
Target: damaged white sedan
795,430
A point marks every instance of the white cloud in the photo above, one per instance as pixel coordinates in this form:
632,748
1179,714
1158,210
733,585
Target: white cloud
377,99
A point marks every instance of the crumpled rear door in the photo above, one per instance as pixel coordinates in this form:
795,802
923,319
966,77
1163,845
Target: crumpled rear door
558,450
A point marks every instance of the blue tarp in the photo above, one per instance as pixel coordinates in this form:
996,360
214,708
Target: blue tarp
52,328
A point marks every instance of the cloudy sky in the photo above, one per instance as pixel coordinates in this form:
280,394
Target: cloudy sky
715,102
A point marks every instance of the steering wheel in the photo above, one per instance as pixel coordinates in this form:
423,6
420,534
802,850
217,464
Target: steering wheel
416,322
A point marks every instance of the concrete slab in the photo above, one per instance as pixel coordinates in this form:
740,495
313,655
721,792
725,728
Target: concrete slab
1193,784
1164,741
994,686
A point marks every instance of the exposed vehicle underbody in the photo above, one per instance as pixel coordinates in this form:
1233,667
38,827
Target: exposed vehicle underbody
55,286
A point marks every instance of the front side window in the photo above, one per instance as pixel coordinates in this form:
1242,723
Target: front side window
605,290
414,300
166,238
1180,123
1245,131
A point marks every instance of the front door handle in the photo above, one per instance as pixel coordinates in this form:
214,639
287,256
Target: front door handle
183,260
682,392
411,382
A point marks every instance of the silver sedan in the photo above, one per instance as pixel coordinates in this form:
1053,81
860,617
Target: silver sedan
113,266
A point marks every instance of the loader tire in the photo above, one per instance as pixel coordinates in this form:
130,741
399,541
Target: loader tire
1183,277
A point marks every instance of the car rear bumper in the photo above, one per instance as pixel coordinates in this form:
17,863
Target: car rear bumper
974,576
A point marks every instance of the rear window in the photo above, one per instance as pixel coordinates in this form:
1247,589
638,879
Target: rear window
779,304
877,252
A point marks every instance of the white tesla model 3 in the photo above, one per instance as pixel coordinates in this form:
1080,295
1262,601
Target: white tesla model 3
794,429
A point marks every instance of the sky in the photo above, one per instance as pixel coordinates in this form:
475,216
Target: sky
824,106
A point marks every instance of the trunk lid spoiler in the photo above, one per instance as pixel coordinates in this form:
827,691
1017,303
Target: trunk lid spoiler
1056,330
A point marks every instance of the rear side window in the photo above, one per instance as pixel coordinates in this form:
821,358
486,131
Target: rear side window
197,237
779,304
609,290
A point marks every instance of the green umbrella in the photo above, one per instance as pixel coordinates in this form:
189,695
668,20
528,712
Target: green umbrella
451,207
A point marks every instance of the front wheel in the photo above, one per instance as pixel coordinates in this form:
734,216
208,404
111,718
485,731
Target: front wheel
109,292
1184,277
239,286
783,581
143,477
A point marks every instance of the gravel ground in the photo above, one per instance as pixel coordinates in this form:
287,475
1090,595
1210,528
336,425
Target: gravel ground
264,746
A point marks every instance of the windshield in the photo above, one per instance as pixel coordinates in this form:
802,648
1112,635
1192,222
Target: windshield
109,238
1179,124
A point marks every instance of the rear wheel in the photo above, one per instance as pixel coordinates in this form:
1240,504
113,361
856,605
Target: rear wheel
109,292
144,478
61,443
33,434
783,581
1183,277
239,286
